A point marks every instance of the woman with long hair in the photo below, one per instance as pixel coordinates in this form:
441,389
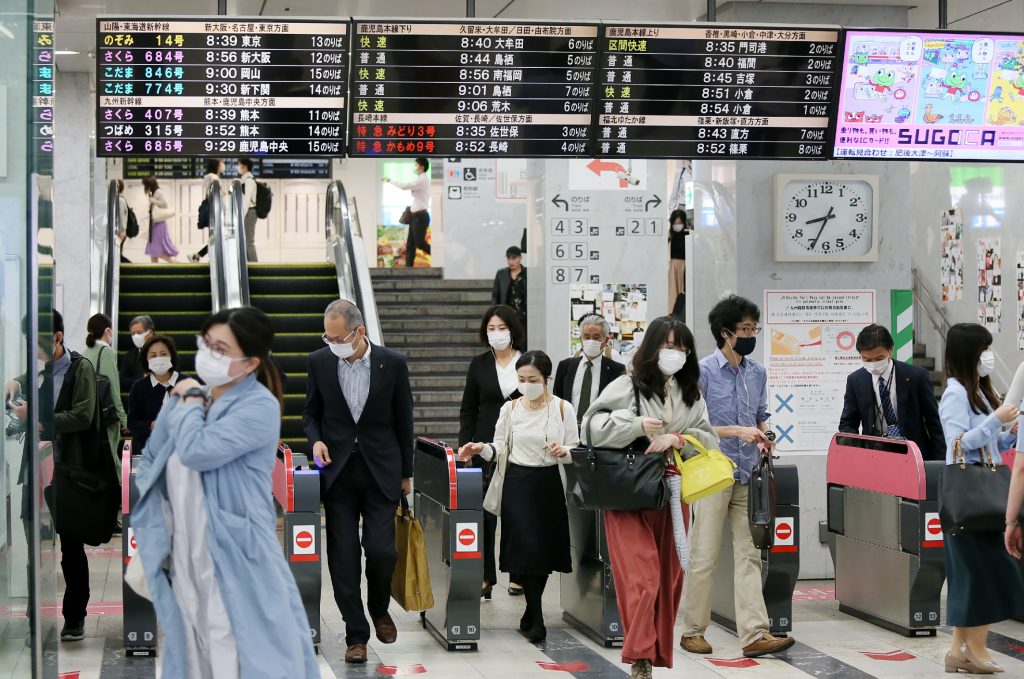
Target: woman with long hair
677,258
491,382
99,352
650,410
159,246
226,601
531,439
984,582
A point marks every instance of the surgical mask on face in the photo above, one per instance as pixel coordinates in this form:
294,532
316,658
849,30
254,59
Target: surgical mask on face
531,390
986,364
139,340
214,370
499,339
160,365
592,348
877,368
671,361
744,345
678,228
342,349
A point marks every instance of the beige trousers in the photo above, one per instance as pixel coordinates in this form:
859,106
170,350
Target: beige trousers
709,519
676,281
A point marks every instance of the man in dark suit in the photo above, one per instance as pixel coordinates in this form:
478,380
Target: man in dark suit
581,378
130,365
891,398
510,283
358,419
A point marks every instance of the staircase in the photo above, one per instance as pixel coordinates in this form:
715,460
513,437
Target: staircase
923,360
176,296
295,297
435,323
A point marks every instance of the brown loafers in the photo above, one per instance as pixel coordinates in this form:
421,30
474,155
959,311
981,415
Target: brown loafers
356,654
767,645
387,633
697,644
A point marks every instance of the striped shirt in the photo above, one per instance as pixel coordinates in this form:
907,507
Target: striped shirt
354,379
736,397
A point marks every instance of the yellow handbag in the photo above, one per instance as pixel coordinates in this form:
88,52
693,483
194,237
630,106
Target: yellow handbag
706,473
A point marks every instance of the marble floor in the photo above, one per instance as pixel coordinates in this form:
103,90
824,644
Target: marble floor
830,644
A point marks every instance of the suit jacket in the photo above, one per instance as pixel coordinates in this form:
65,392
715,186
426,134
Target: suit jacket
384,430
916,408
502,283
565,376
481,400
130,367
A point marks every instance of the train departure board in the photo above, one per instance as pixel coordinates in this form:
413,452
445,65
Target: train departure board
225,86
472,88
716,91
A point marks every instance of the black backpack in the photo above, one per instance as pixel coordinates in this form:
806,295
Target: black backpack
264,199
131,229
204,214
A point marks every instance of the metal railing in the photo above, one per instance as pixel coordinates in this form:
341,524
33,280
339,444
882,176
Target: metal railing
106,259
346,250
229,268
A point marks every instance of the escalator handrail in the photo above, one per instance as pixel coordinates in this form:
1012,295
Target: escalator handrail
237,207
350,262
218,281
109,293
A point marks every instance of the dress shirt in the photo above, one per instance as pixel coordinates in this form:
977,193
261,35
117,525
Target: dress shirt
249,190
420,189
355,382
891,383
60,371
154,382
577,382
979,430
508,377
736,397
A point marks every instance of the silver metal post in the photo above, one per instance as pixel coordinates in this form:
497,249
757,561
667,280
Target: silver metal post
943,14
713,10
470,8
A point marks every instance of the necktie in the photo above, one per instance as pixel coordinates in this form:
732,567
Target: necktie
887,409
588,383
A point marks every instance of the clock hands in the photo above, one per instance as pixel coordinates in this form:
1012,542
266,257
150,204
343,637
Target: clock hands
824,221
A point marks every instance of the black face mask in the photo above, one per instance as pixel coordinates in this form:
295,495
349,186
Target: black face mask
745,345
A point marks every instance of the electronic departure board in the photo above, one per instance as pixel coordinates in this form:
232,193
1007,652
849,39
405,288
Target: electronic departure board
716,91
42,96
169,167
226,86
932,96
472,88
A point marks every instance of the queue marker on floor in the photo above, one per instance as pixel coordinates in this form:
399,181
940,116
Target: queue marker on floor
891,656
570,666
740,663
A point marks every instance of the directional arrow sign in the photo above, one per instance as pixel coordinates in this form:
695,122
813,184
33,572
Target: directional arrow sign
656,200
558,200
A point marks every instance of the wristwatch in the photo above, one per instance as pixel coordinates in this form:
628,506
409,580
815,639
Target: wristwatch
1013,524
195,392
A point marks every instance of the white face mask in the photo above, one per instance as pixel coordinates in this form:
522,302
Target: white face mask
531,390
160,365
499,339
671,361
139,340
986,364
213,370
678,228
592,348
877,368
341,349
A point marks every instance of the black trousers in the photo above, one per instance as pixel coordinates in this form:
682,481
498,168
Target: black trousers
417,238
75,566
354,495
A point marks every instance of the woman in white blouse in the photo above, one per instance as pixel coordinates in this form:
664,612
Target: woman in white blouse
531,440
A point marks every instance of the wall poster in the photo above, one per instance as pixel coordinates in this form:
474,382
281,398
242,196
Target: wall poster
1020,300
990,284
952,245
810,349
623,305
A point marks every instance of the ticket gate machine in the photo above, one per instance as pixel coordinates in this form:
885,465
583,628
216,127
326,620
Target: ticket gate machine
588,593
448,501
780,565
139,621
297,498
1008,459
884,532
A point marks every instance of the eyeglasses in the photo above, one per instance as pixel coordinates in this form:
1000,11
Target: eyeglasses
336,340
217,351
748,331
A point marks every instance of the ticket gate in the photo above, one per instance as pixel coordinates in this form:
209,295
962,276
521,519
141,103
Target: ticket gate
780,565
448,501
588,593
297,496
1008,459
139,621
884,532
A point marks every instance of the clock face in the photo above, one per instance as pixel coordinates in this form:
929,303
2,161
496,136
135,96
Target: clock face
827,218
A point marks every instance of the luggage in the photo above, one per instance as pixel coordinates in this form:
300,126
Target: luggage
410,584
264,199
761,503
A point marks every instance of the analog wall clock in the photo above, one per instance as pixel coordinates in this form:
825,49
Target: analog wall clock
826,218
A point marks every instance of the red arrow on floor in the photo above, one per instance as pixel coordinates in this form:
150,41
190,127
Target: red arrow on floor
571,666
733,662
892,656
401,670
68,675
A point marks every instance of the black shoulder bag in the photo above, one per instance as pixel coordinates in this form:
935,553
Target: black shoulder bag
616,478
761,503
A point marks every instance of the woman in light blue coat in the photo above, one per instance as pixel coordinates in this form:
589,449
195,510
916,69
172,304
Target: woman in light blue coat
984,582
205,520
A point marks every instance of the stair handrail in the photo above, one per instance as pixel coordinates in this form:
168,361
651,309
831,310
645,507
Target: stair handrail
105,297
346,251
218,281
229,269
925,302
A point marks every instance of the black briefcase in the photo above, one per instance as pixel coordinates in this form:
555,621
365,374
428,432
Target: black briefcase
761,503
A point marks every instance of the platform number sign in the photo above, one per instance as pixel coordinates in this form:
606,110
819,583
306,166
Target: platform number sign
565,275
635,228
566,226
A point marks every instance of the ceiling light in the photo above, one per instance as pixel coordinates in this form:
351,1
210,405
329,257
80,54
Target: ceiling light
64,53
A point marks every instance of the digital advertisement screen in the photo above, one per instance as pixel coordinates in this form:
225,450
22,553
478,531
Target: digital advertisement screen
470,88
226,86
931,96
716,91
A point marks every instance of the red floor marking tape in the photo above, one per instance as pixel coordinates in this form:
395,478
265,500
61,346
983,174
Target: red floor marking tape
1019,649
68,675
733,662
893,656
572,666
401,670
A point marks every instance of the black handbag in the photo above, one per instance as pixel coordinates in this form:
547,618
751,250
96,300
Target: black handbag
616,478
972,497
761,503
84,504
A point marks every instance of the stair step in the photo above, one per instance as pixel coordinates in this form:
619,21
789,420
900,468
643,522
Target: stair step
308,269
285,304
432,429
448,368
413,353
924,362
152,285
433,381
163,270
418,272
407,284
920,350
137,303
480,298
442,397
414,310
290,285
399,325
432,413
439,336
